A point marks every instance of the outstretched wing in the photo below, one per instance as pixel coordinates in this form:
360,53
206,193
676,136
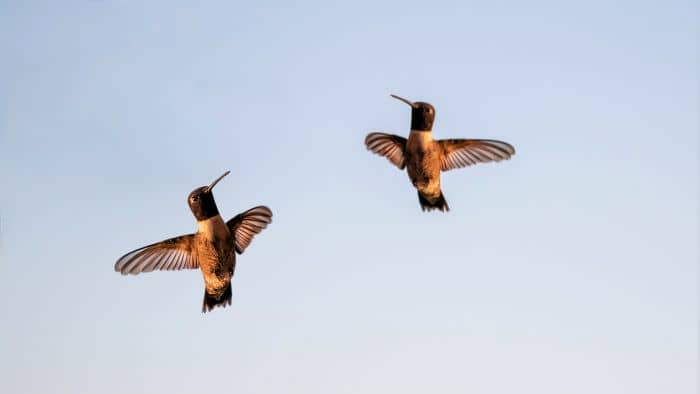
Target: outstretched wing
390,146
458,153
246,225
171,254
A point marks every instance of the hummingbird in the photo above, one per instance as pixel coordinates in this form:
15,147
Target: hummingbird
212,249
424,158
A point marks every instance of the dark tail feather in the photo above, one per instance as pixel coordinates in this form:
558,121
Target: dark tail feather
436,203
211,301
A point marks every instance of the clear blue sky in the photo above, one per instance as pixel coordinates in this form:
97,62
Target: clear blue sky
572,268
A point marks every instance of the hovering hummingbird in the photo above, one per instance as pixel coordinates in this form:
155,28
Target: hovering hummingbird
425,157
212,248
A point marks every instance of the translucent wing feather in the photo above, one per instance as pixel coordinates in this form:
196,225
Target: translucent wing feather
390,146
458,153
172,254
248,224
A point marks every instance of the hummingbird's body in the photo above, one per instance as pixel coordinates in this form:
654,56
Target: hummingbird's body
423,164
217,257
424,158
212,248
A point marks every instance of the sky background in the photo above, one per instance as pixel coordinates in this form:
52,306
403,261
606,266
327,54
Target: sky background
572,268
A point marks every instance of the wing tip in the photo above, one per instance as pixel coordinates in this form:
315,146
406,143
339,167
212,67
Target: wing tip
266,210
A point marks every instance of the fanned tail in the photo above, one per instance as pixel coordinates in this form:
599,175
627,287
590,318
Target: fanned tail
212,301
428,203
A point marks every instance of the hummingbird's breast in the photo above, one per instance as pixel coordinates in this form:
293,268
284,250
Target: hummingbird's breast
215,249
423,162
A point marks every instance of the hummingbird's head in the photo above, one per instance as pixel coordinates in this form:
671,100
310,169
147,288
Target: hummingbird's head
422,114
201,200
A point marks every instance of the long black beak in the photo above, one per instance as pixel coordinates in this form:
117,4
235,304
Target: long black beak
217,181
402,99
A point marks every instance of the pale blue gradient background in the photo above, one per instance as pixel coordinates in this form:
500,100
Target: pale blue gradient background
572,268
